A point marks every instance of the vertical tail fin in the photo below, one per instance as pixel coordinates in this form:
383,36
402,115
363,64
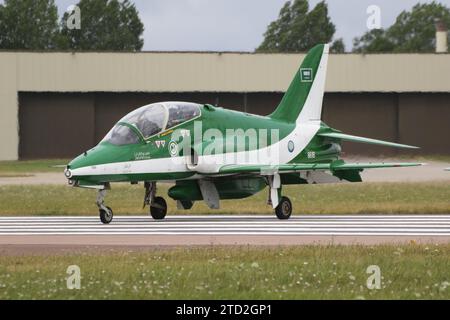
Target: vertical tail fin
302,102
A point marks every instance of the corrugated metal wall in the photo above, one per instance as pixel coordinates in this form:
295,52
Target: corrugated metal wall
60,125
259,76
225,72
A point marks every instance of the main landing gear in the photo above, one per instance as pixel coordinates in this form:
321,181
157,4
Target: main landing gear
284,208
281,204
158,206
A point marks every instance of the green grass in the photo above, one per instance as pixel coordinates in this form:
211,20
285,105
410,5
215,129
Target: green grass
307,272
28,167
405,198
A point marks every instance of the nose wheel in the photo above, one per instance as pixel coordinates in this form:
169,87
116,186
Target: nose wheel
106,213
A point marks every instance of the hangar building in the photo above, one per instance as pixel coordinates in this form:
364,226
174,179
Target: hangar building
58,104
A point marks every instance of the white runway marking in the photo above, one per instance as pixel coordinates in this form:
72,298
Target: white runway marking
358,225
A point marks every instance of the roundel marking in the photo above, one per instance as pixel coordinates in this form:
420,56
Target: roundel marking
173,148
291,145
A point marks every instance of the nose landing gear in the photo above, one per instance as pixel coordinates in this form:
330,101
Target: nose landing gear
106,213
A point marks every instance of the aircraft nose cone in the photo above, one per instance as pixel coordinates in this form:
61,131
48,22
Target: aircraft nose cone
68,173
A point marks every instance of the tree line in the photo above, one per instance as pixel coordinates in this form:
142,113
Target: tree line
298,29
105,25
114,25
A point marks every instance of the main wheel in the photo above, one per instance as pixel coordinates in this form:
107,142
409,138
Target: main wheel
284,208
158,209
106,216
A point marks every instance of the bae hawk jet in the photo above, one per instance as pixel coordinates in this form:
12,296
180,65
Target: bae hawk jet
210,153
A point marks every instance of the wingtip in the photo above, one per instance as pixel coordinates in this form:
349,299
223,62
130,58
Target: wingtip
417,164
409,164
406,146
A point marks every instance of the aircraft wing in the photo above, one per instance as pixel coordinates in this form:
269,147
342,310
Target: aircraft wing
348,137
338,165
374,165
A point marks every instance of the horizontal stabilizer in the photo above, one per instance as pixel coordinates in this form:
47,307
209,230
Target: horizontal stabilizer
347,137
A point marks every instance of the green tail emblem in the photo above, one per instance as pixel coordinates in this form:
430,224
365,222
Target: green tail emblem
306,74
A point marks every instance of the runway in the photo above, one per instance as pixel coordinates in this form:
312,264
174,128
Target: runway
201,230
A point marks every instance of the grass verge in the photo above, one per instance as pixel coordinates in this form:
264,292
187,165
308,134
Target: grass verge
28,167
307,272
367,198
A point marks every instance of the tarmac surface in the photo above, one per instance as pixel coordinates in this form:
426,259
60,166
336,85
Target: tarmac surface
138,231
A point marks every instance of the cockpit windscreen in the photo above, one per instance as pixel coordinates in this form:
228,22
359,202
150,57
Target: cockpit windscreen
149,119
121,135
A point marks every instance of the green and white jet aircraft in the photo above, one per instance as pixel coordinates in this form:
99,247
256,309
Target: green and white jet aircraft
210,153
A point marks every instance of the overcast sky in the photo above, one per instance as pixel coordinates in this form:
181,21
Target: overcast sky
239,25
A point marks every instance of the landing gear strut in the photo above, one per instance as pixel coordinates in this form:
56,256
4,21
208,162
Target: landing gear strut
106,213
158,206
282,205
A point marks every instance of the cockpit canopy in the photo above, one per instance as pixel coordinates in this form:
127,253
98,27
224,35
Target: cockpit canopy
150,120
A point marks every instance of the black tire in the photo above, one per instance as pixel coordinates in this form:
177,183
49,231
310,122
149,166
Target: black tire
284,208
106,217
158,209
